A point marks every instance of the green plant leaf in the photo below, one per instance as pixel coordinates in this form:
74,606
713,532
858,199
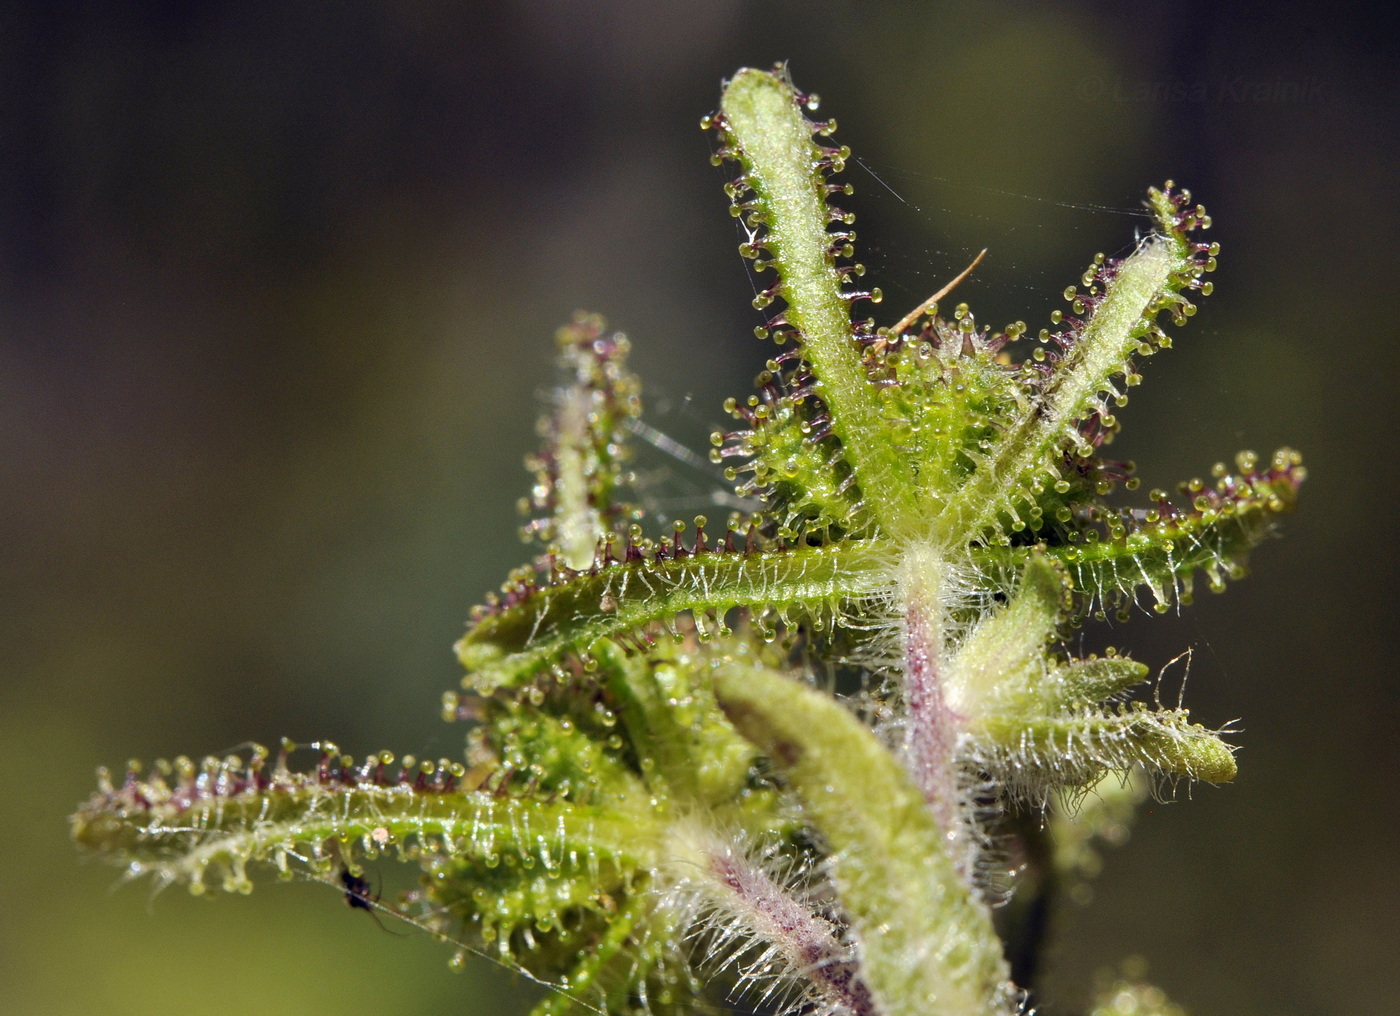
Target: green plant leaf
926,946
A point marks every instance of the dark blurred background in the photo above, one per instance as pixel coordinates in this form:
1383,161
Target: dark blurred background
277,290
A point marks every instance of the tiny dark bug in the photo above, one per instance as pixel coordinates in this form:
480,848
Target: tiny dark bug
359,897
357,894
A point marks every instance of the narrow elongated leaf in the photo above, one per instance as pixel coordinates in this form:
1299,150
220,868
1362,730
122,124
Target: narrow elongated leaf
516,641
926,946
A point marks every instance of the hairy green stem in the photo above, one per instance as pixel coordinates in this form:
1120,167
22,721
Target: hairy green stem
931,727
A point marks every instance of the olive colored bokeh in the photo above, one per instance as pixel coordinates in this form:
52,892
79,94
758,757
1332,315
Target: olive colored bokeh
277,292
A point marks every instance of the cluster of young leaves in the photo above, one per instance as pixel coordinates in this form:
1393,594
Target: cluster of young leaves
662,798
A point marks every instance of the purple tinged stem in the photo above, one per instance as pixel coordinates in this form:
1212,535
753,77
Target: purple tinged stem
806,939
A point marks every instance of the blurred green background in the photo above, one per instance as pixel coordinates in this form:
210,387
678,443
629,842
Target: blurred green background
277,290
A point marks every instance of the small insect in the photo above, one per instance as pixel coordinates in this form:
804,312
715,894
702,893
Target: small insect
357,890
359,897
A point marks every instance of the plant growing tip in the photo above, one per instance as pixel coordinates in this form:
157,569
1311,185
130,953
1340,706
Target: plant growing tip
659,802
